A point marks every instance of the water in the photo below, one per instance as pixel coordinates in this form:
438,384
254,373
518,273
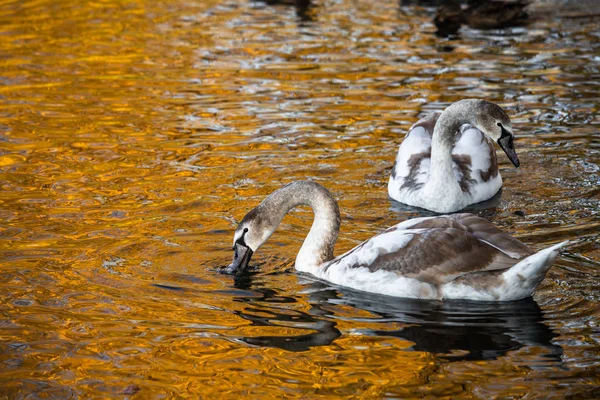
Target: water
134,134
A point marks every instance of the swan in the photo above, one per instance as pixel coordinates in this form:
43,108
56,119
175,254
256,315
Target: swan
446,163
457,256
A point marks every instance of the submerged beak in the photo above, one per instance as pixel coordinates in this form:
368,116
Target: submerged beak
506,142
241,258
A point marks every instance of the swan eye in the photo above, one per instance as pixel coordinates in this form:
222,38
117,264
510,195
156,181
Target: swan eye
245,230
500,125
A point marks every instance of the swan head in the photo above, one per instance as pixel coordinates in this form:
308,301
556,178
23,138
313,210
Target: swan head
260,223
494,123
250,234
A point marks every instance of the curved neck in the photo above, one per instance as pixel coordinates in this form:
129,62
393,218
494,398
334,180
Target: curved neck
441,173
320,241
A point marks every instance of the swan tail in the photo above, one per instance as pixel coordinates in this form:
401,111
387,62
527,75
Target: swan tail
523,277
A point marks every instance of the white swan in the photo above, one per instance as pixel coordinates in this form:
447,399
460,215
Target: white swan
457,256
446,163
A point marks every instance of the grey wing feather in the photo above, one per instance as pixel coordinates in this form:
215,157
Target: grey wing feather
428,123
474,151
488,232
441,254
480,229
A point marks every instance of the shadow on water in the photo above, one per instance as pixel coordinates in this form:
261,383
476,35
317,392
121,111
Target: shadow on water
459,330
323,330
454,330
422,3
304,8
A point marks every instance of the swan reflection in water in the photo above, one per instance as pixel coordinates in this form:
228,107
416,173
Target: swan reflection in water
454,330
322,330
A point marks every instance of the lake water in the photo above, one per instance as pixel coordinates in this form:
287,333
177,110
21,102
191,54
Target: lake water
134,134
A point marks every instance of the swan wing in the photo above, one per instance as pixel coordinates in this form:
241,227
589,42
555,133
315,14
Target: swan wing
491,234
475,164
412,161
473,160
480,228
436,250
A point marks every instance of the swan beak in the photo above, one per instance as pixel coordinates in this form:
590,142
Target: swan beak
506,142
241,258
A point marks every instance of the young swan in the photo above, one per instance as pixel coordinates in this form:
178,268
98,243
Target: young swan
447,162
457,256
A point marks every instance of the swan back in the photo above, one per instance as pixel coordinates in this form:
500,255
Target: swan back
458,256
474,161
437,249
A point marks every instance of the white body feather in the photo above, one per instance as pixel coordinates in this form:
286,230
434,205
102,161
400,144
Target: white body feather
444,197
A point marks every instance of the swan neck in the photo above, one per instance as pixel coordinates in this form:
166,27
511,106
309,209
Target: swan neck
442,142
319,243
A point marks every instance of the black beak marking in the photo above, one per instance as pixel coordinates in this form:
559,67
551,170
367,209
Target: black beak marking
241,258
506,143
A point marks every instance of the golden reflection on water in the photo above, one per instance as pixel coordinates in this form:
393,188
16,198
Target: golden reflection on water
133,134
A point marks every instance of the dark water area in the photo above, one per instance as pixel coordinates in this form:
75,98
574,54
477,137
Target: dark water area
135,134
